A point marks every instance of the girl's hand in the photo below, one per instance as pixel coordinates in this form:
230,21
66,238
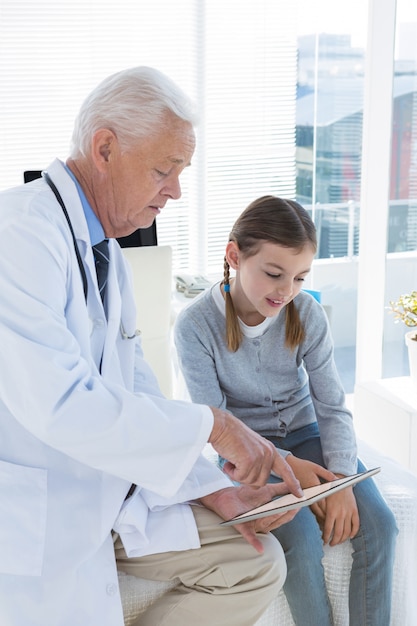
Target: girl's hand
341,518
307,472
337,514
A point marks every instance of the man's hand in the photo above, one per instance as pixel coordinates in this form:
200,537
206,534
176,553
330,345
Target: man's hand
232,501
251,458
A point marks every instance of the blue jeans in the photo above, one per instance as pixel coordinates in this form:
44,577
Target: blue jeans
373,555
373,551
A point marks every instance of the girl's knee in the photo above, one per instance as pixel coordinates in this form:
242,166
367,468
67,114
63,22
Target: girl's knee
386,524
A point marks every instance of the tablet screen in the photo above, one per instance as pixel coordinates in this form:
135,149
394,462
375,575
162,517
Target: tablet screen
311,495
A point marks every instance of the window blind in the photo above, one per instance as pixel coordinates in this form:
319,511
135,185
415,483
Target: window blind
236,59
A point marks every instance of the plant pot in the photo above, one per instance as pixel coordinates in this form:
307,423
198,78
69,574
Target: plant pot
412,354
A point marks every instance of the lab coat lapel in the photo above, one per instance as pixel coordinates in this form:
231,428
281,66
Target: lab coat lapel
104,333
114,305
98,330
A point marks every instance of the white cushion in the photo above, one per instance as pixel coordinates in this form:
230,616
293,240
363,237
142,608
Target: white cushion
152,283
399,487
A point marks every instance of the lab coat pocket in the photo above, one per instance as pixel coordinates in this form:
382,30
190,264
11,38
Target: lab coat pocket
23,493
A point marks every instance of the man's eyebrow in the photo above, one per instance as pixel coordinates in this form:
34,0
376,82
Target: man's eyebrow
178,161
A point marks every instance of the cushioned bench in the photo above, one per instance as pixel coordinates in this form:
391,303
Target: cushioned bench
399,488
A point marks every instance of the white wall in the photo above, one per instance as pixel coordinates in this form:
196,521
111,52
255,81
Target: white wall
401,277
337,280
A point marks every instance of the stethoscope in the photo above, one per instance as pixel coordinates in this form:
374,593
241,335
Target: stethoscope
58,196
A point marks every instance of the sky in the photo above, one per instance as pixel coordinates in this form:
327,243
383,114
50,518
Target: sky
345,16
332,16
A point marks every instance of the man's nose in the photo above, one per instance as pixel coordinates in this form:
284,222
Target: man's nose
172,189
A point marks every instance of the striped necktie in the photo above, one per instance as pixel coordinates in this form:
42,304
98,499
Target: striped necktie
101,256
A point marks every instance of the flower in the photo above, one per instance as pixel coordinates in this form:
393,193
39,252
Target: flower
405,309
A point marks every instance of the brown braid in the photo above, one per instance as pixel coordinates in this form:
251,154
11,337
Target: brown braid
294,330
233,331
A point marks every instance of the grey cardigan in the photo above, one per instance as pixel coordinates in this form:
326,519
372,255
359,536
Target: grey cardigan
272,389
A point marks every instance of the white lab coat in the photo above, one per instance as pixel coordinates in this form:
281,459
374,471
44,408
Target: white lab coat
71,440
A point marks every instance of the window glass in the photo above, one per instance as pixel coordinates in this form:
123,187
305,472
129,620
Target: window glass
401,265
331,40
53,53
237,60
331,49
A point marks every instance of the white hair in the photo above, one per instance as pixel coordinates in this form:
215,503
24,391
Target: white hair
132,103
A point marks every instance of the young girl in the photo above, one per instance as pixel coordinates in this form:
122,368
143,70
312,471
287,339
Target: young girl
259,346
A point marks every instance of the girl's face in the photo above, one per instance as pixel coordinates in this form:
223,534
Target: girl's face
266,282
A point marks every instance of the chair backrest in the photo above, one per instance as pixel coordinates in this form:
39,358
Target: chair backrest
141,237
29,175
152,281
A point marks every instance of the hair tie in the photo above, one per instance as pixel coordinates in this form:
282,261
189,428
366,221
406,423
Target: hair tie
226,288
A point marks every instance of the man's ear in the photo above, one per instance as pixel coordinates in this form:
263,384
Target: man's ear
232,255
103,145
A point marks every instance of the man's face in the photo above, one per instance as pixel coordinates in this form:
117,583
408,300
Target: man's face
139,182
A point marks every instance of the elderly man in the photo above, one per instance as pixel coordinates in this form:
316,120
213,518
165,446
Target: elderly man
81,415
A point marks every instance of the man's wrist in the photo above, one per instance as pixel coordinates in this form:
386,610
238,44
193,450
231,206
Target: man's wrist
219,424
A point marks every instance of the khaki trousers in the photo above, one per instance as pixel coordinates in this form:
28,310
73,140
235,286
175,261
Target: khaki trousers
226,582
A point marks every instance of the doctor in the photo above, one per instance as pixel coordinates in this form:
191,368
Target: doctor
81,415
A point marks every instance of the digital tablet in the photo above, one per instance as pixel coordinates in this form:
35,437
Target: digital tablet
311,495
